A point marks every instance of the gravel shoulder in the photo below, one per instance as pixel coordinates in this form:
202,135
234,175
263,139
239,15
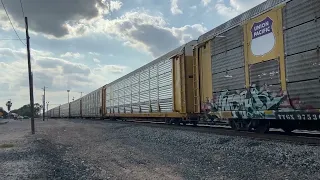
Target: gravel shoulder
84,149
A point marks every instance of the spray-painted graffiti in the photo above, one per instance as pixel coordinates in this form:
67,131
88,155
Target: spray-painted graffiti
248,103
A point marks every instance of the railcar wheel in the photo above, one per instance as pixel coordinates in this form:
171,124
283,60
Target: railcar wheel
287,130
240,124
232,124
177,122
237,125
263,126
167,121
195,123
171,121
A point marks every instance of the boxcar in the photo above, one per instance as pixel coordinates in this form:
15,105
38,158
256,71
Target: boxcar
159,89
261,68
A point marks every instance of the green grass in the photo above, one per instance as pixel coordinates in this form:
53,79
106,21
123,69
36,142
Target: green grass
2,146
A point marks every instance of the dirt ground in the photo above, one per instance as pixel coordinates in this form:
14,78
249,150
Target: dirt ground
86,149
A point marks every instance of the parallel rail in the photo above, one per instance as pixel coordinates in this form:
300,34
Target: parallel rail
274,136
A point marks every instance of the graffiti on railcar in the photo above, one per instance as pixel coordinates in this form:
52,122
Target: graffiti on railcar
246,103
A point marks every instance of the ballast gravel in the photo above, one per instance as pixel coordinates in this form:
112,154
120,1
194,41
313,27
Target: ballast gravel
89,149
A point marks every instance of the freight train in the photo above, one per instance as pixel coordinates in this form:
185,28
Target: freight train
259,70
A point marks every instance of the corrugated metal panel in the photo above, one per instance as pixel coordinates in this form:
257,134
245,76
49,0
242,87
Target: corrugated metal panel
108,100
166,105
154,94
232,79
56,112
306,92
165,86
300,11
91,104
302,38
228,60
233,38
167,56
147,86
154,106
229,100
265,73
303,66
75,108
260,9
64,110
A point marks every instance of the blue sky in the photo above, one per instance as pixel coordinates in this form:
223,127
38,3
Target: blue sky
83,44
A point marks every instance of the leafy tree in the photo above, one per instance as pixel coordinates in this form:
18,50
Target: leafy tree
25,110
3,112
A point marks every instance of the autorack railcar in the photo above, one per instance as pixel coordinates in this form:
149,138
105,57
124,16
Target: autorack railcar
91,106
159,89
261,69
256,71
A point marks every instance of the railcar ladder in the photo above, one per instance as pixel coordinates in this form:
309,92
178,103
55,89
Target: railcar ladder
196,84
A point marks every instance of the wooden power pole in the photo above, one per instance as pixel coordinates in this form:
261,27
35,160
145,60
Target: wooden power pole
30,78
44,102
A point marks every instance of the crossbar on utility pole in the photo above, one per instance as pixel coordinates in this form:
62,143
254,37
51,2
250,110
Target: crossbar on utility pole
30,78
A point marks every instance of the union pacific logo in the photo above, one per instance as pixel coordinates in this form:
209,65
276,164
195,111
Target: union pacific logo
263,38
262,28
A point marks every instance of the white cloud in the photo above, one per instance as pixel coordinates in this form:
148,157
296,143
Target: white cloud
71,55
144,31
205,2
96,60
94,53
55,73
55,24
175,8
193,7
226,11
115,5
235,7
111,68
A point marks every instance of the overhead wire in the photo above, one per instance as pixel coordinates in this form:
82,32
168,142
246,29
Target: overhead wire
11,22
8,39
22,10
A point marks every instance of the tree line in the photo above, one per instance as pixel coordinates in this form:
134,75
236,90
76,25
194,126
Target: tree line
25,110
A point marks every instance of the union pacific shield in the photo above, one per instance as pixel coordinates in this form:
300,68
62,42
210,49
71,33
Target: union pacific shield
263,39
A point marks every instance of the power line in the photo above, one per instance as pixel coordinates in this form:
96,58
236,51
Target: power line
11,22
11,39
22,9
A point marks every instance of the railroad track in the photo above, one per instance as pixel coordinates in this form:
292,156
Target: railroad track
274,136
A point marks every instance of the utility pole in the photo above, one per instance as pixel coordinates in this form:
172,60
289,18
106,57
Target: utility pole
47,110
44,102
30,77
68,95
